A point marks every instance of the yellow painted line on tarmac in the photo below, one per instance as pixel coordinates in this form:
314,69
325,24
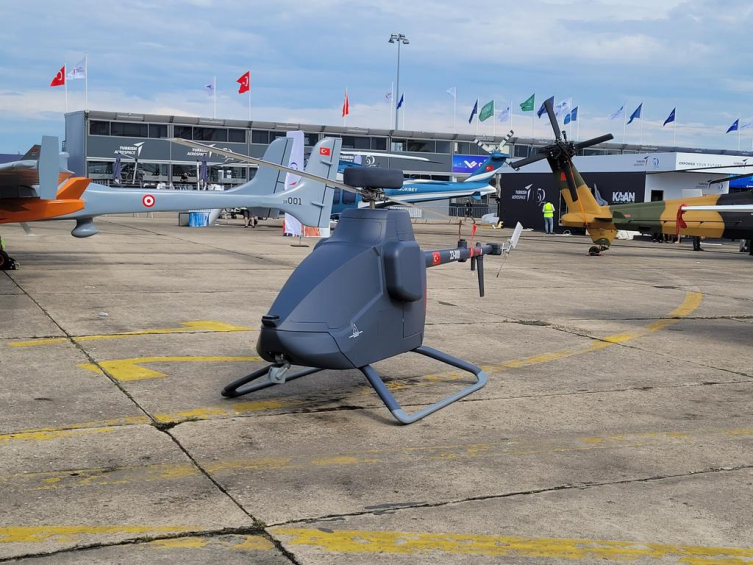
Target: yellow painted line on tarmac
416,543
132,370
503,450
69,534
186,327
74,430
236,542
691,303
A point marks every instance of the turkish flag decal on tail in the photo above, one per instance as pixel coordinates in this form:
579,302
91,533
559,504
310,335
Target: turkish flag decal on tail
59,79
325,151
245,82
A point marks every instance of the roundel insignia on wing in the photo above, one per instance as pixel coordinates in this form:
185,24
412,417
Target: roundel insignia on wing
148,200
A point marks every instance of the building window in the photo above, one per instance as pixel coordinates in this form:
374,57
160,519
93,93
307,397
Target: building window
520,150
310,139
209,134
443,147
259,136
379,143
275,134
420,146
236,135
99,128
126,129
398,145
336,197
184,132
99,168
354,142
157,130
461,147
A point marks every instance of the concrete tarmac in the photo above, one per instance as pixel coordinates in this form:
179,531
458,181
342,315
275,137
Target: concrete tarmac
617,424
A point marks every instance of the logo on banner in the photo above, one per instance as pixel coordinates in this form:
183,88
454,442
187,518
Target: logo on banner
131,150
148,200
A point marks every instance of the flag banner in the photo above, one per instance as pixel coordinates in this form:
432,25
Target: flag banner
747,125
636,114
209,88
563,107
543,106
486,112
473,112
388,96
59,79
453,91
400,102
527,106
572,116
346,105
619,113
78,71
244,82
504,115
734,126
670,118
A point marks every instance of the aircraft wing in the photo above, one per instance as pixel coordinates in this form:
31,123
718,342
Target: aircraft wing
721,208
428,195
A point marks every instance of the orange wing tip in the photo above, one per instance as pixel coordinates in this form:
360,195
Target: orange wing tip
73,188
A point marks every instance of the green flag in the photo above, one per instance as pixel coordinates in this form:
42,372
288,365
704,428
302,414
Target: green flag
528,105
487,111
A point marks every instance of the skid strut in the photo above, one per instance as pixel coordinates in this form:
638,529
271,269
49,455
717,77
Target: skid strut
278,374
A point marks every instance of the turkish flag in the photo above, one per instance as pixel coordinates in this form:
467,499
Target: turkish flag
346,105
324,151
59,79
245,82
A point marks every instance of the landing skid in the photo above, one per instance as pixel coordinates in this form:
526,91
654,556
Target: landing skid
242,386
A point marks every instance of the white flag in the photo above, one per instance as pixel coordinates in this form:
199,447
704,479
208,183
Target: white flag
504,115
563,107
78,70
453,91
747,126
619,113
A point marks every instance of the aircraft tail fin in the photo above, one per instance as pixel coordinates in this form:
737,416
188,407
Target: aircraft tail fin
32,154
310,202
278,152
73,188
48,166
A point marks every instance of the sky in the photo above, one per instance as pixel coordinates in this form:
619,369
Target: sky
156,57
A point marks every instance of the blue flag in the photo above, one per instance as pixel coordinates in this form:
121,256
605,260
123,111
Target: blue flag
474,111
543,106
670,118
734,126
400,103
572,116
636,114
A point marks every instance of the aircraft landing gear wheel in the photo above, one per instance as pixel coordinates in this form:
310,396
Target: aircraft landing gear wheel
594,251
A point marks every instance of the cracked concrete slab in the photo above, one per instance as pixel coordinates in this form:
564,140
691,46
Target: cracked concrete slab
69,490
700,519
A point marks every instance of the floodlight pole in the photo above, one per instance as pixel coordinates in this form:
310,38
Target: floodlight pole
398,38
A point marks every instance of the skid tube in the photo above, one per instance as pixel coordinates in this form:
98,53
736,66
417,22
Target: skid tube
242,386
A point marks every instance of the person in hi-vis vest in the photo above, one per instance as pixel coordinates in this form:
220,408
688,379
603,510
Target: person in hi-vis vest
548,217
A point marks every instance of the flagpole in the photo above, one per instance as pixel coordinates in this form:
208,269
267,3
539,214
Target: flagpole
643,113
533,123
455,111
577,135
345,108
403,112
214,110
624,122
65,84
511,101
738,134
674,129
249,100
494,117
392,99
477,99
86,80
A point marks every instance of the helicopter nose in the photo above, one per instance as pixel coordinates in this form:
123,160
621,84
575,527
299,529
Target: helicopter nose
307,349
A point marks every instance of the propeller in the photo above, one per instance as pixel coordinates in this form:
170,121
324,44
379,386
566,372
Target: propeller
560,154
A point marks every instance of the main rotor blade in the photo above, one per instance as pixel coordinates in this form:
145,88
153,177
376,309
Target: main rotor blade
594,141
263,163
527,161
553,119
570,177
